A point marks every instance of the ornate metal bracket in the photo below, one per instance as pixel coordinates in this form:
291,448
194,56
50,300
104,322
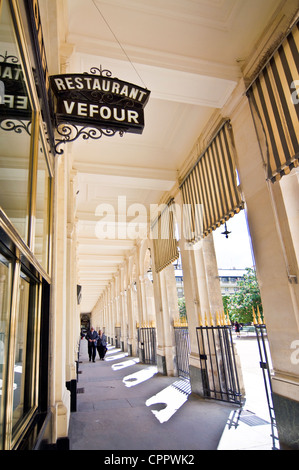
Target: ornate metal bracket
100,71
71,132
7,59
15,125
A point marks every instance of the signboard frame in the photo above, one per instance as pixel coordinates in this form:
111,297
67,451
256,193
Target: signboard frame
95,104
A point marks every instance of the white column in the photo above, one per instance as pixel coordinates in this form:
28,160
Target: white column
59,396
272,244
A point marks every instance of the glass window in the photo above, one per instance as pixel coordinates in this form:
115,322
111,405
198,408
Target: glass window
5,303
42,215
24,359
15,124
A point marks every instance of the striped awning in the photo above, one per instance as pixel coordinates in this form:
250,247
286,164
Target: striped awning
164,240
276,102
210,191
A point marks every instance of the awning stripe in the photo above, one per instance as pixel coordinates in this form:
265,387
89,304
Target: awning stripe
210,188
274,98
164,241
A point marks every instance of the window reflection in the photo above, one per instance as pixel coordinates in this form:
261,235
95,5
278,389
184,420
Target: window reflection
24,369
15,123
5,295
42,215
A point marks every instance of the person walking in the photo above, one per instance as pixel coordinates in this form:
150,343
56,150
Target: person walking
237,329
102,345
92,338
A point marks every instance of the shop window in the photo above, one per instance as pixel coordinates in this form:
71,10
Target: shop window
26,169
25,175
15,123
24,387
5,305
42,209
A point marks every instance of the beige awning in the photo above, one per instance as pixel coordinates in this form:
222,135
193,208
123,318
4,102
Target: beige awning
164,241
276,101
210,191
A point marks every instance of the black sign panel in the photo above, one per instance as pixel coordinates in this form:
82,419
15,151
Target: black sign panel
99,101
100,115
14,100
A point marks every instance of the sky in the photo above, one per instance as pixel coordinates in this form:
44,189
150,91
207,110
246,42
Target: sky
234,251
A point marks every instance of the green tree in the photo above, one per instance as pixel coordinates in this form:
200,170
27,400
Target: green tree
240,305
182,309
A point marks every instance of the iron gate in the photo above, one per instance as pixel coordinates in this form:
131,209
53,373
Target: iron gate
117,336
147,345
217,362
182,344
261,334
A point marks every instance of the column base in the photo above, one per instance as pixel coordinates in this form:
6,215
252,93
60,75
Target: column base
287,420
161,364
196,380
72,387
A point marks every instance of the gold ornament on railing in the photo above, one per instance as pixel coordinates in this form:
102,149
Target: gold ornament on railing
253,315
151,324
179,322
257,321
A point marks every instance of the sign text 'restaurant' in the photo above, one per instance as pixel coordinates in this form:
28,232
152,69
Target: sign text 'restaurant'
99,101
90,83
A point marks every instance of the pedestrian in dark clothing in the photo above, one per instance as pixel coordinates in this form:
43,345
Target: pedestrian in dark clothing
237,329
102,345
92,338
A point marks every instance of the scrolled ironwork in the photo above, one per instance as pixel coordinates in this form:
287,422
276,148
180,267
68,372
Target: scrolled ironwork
71,132
100,71
15,125
7,59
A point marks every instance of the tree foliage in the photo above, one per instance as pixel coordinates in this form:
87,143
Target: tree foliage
240,304
182,309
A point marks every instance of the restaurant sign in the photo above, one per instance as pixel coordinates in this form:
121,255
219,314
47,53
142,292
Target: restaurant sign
97,101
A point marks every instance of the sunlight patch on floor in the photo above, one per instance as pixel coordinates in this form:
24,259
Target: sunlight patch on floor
122,365
139,377
168,401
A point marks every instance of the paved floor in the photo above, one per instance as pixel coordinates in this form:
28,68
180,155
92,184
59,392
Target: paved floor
123,405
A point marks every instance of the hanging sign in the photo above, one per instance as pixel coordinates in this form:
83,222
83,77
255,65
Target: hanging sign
99,101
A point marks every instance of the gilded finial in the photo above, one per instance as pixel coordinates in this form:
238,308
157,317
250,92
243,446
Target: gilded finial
253,315
259,316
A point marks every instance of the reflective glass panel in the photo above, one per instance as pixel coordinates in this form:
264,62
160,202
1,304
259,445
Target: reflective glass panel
24,364
5,303
42,216
15,128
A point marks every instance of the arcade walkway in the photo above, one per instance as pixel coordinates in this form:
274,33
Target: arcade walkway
124,405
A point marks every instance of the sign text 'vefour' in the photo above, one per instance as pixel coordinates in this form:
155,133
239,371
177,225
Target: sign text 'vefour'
98,101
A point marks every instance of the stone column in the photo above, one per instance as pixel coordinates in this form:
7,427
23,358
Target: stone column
170,312
161,359
59,395
272,245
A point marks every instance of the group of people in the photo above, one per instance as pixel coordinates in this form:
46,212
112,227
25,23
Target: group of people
96,342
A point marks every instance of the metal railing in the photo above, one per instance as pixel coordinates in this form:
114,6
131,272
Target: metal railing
218,365
265,365
183,349
117,334
147,345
